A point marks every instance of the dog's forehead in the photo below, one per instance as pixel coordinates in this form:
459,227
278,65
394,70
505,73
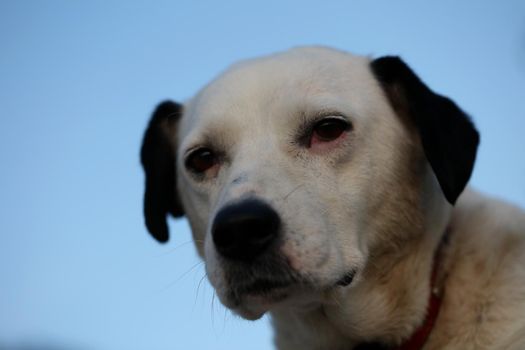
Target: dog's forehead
281,82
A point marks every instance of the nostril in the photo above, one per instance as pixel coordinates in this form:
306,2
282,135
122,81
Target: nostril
244,230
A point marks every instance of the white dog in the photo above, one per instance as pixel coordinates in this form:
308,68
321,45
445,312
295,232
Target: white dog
324,188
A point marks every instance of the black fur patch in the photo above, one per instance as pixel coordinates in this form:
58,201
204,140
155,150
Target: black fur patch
448,137
158,160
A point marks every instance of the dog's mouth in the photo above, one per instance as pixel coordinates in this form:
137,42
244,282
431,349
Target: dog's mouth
263,290
263,287
251,298
256,288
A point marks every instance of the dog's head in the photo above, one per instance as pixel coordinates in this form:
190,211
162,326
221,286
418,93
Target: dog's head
299,169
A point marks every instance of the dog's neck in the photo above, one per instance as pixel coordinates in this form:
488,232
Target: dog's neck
386,307
419,337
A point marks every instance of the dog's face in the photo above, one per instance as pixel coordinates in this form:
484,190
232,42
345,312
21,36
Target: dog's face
296,170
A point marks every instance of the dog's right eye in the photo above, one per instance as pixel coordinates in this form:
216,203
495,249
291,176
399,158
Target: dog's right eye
201,160
327,130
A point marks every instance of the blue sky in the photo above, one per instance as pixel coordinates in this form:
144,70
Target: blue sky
78,82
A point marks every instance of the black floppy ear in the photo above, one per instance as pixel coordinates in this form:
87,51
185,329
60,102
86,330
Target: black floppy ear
448,136
157,156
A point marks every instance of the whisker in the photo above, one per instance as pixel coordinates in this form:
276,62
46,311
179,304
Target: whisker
213,310
224,320
198,288
179,246
183,275
292,191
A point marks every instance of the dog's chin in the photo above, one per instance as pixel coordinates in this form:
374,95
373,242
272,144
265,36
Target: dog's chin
253,304
300,297
250,313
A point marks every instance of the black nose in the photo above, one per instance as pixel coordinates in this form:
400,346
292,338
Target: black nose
242,231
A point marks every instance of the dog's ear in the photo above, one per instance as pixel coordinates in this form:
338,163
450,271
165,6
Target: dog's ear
157,156
448,137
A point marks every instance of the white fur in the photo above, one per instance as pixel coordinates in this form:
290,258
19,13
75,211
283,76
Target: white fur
371,204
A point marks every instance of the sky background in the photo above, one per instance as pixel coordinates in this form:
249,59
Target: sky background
78,81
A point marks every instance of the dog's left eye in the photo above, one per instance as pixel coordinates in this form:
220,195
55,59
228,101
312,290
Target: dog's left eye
200,160
328,129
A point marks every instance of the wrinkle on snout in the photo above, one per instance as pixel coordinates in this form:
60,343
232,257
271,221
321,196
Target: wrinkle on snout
240,179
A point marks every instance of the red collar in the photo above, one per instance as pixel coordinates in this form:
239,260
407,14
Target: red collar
420,335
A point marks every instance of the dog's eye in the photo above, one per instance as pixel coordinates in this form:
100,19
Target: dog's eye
328,130
201,160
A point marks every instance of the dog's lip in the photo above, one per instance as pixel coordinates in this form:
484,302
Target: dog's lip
346,279
267,297
262,286
252,300
274,290
263,292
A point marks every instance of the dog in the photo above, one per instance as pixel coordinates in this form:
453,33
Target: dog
330,191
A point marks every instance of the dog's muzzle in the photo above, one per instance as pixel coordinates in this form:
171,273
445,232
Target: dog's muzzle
245,230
